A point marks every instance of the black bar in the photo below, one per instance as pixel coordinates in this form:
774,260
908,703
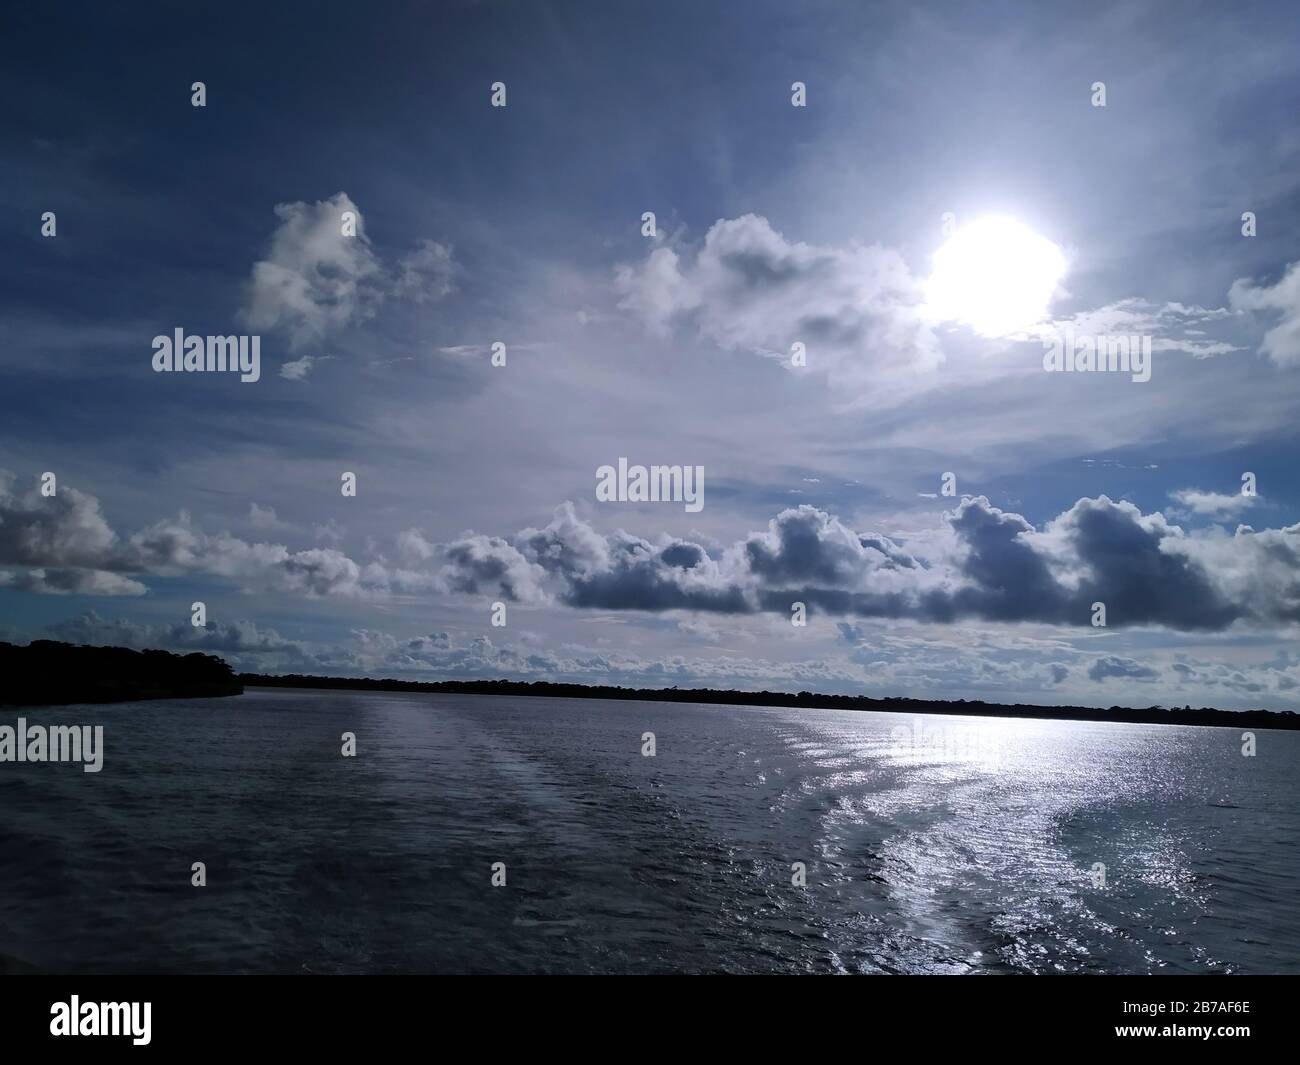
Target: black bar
1062,1015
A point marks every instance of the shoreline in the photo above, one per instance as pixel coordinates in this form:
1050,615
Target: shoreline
52,673
1204,717
49,673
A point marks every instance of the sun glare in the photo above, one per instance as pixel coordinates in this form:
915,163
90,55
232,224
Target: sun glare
996,275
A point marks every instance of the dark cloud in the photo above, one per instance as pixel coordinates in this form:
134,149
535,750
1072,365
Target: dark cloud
488,565
988,565
71,582
683,555
993,566
1136,566
65,529
1112,666
638,576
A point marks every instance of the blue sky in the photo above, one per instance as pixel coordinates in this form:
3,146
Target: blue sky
774,224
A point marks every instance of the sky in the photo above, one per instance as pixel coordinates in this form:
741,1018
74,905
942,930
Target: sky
916,197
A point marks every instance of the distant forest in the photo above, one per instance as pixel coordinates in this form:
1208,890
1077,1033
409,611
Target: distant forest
46,672
1157,715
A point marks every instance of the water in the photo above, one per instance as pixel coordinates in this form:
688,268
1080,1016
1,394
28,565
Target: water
932,845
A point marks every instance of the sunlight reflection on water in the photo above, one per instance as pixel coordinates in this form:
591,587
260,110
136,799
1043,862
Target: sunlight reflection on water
932,844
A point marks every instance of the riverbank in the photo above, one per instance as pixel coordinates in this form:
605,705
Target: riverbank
49,673
1156,715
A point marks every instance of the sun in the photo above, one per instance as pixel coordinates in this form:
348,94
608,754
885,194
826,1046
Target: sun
995,275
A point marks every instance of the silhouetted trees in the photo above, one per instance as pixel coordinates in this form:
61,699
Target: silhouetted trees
966,707
47,672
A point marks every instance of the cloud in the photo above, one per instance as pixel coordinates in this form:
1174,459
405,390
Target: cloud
315,280
319,571
330,530
241,642
70,582
413,547
67,547
1258,569
63,540
1172,326
1211,504
63,530
1282,342
177,546
241,636
426,274
656,291
984,564
1223,676
436,656
1112,666
489,566
443,656
855,309
624,572
297,369
260,517
989,565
